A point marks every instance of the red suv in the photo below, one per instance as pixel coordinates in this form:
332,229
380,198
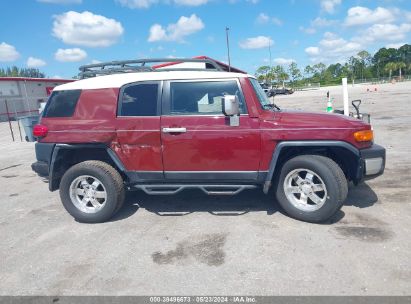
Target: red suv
166,130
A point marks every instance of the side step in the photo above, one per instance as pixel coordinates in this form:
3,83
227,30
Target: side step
207,189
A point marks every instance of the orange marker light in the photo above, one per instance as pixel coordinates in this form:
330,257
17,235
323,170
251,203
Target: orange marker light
365,135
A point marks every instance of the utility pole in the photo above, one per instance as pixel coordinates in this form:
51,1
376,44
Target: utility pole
228,48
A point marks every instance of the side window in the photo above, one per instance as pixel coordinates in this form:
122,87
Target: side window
139,99
202,97
62,103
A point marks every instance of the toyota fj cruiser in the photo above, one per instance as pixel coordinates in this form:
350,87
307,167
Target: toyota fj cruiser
167,129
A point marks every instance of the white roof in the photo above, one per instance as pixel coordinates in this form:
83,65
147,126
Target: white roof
118,80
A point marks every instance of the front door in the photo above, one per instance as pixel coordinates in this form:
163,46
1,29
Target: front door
197,140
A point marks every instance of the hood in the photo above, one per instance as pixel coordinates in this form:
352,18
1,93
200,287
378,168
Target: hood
301,119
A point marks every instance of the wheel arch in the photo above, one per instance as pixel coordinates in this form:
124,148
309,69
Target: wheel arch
65,156
344,154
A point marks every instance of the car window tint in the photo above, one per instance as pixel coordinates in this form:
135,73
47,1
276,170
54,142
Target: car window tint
62,103
139,100
203,97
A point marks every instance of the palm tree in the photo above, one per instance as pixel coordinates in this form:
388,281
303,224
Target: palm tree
389,67
400,66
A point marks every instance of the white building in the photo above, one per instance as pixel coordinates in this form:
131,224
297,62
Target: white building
22,96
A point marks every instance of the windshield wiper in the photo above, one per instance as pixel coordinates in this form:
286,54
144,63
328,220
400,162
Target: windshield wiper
271,106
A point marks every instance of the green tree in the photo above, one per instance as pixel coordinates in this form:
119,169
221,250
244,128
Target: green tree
263,73
24,72
294,72
382,57
405,53
309,70
400,67
279,74
365,60
319,70
390,67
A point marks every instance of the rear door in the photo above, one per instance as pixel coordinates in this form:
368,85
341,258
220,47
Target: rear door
138,130
198,141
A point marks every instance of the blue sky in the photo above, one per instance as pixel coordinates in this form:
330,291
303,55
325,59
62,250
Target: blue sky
58,36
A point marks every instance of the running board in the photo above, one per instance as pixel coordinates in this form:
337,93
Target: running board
207,189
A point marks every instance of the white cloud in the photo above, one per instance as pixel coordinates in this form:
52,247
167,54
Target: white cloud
138,4
277,21
157,33
262,18
333,48
33,62
395,45
61,1
70,55
308,30
184,27
312,51
253,1
329,6
258,42
86,29
8,53
265,19
360,15
322,22
283,61
190,2
385,32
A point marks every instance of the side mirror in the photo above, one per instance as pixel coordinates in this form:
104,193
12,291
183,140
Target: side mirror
231,105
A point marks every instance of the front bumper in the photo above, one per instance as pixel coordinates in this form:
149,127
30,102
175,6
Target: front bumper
373,160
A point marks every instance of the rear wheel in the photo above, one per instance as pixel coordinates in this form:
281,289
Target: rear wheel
311,188
92,191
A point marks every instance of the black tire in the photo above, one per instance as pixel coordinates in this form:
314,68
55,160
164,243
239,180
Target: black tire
331,175
108,176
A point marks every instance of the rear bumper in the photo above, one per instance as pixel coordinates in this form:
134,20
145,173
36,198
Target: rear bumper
41,168
374,161
43,154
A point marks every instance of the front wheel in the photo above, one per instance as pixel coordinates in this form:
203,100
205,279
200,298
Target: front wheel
311,188
92,191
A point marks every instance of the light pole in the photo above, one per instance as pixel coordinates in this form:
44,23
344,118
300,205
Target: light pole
228,48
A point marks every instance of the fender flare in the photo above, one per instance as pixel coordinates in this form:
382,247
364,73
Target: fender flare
312,143
61,147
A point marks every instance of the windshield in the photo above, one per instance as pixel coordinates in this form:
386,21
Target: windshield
262,97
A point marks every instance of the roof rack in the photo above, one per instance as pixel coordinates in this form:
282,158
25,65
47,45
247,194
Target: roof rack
140,65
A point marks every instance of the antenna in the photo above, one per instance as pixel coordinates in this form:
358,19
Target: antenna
269,50
271,64
228,48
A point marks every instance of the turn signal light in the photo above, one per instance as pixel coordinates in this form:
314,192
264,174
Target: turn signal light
40,131
365,135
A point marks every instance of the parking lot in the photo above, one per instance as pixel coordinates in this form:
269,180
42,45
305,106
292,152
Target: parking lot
193,244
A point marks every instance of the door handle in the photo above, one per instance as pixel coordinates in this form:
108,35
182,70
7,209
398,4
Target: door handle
174,130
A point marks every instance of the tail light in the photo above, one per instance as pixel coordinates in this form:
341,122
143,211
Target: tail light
40,131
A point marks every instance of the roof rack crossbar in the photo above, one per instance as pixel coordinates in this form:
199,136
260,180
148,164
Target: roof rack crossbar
139,65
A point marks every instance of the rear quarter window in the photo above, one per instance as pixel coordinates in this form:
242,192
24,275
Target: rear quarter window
62,103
